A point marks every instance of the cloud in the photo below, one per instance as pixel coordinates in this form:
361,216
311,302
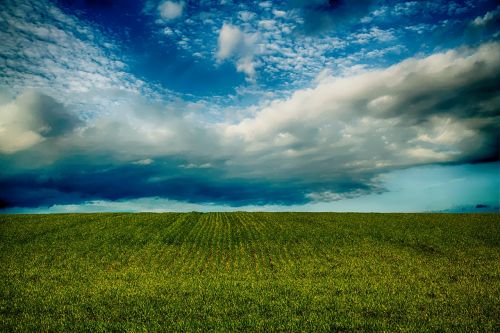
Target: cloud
373,34
439,109
265,4
329,196
146,161
30,119
267,24
246,15
170,10
233,42
196,166
230,38
327,142
487,26
279,13
38,53
492,17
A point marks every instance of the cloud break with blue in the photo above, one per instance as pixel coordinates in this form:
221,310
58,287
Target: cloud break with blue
315,105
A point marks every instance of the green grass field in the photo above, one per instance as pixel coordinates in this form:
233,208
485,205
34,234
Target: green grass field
250,272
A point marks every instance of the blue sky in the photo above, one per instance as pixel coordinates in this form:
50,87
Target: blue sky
257,105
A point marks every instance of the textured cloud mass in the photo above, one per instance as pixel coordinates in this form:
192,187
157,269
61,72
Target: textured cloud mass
244,104
324,143
30,119
437,109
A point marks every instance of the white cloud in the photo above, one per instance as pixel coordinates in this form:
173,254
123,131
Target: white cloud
329,196
230,38
267,24
395,117
325,196
445,130
373,33
246,65
279,13
487,18
196,166
233,42
38,49
170,10
168,31
246,16
30,119
397,49
146,161
266,4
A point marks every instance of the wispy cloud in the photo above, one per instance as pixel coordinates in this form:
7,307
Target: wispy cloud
45,49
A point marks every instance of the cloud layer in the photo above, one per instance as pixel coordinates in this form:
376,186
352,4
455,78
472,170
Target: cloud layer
328,142
277,103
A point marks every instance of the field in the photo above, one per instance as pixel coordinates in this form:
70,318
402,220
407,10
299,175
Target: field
250,272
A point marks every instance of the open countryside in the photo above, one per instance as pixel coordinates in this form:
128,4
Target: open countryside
250,272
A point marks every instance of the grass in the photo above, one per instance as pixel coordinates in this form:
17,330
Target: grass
250,272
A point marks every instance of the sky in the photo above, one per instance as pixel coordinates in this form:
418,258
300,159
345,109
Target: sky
177,105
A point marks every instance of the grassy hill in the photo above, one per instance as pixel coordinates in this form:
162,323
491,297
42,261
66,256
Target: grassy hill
250,272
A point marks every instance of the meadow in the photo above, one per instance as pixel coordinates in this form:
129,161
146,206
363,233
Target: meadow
255,272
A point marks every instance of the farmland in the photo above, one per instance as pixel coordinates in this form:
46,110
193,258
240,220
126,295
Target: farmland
250,272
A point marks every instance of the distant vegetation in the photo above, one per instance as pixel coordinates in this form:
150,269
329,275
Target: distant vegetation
250,272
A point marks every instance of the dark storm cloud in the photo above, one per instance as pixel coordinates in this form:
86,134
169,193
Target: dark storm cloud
321,15
75,185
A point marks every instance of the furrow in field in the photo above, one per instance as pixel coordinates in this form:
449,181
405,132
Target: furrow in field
249,245
220,242
228,240
183,255
233,241
206,262
280,247
267,239
193,246
196,251
245,261
214,243
164,248
255,242
185,226
217,241
151,251
203,244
